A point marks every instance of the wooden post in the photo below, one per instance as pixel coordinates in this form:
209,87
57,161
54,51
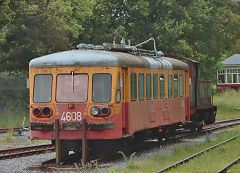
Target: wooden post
84,141
57,143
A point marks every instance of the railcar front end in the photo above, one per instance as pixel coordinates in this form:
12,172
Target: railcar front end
71,94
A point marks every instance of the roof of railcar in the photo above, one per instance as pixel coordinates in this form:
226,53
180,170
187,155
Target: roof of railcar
103,58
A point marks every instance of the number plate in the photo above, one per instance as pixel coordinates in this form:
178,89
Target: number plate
71,116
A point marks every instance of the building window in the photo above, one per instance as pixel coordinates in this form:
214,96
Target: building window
221,78
133,86
162,86
148,87
235,78
155,86
229,78
141,86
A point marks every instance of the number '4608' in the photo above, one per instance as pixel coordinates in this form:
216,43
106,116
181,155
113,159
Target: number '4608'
71,116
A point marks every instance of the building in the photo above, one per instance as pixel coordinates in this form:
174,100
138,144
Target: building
229,76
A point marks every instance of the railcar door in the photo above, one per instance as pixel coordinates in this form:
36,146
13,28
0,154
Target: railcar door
123,81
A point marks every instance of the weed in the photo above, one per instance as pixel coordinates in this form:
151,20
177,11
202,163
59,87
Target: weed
130,162
208,137
9,135
227,105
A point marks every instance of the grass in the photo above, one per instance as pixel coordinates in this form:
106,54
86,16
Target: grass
227,104
10,118
208,162
9,139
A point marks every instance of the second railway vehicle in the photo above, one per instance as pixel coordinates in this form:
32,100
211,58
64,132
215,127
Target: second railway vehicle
121,91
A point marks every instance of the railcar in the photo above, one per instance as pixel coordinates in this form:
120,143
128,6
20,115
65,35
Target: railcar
122,93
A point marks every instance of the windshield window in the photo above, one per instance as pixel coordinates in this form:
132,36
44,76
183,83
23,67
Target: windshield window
42,88
72,88
102,84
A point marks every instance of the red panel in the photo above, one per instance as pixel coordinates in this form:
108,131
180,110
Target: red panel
62,109
151,114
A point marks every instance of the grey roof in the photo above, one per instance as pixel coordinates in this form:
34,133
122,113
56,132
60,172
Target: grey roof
100,58
232,60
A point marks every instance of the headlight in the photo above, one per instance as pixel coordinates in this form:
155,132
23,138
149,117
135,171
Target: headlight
95,111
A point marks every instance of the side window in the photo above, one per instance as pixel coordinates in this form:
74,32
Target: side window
133,86
162,86
155,86
102,86
148,87
141,86
175,85
181,85
42,88
169,86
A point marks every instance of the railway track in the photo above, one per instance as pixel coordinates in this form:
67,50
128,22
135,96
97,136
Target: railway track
16,129
225,169
185,160
104,158
25,151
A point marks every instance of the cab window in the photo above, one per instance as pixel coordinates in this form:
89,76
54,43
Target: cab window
72,88
42,88
102,85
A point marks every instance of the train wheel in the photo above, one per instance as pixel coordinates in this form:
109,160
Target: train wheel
139,137
210,117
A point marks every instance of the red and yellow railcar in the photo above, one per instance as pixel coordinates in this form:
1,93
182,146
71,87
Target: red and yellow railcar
119,94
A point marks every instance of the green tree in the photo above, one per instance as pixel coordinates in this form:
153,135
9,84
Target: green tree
41,27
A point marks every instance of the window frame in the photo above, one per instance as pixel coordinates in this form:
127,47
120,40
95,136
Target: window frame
162,96
170,82
51,92
155,88
181,87
70,74
135,92
175,94
150,87
143,89
110,88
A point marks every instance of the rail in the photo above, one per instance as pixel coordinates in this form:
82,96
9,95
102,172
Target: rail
25,151
195,155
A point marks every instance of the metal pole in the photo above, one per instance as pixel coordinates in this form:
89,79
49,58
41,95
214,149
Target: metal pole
57,143
84,141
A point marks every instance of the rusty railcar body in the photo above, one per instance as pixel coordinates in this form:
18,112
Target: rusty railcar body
121,95
200,92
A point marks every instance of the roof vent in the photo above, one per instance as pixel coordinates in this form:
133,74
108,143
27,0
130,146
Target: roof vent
99,47
81,46
160,54
90,46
